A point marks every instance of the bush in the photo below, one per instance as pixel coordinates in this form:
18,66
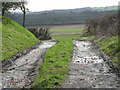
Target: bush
41,33
106,25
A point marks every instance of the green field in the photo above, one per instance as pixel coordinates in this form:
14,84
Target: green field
66,32
15,38
55,67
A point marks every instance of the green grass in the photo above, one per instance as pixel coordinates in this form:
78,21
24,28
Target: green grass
69,36
15,38
55,66
110,46
54,69
66,30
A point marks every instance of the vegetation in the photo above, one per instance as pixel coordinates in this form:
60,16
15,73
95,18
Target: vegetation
110,46
23,9
106,25
15,38
41,33
67,30
55,66
6,6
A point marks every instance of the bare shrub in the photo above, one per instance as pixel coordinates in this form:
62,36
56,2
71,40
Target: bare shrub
41,33
106,25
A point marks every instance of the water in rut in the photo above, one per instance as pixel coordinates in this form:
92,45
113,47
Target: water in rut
21,73
88,69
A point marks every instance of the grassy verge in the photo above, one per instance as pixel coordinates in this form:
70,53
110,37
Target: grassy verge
15,38
54,69
110,46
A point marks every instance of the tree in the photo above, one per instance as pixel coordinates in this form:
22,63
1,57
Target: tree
6,6
24,10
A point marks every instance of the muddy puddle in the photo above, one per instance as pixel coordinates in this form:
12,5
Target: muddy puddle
88,69
22,71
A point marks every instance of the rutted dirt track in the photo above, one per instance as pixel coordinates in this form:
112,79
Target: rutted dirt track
88,69
22,71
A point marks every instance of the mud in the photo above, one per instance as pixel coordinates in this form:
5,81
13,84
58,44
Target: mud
88,69
20,73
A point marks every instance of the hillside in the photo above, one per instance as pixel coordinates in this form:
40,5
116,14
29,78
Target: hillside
15,38
63,17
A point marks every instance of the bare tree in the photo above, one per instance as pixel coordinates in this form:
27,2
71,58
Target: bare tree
6,6
24,10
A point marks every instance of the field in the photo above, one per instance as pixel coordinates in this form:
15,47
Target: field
55,67
70,32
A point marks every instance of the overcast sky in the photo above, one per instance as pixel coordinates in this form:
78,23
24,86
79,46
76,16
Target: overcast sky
41,5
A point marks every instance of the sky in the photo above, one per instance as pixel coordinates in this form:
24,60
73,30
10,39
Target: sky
41,5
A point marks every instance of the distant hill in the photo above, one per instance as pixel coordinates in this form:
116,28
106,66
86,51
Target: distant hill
63,17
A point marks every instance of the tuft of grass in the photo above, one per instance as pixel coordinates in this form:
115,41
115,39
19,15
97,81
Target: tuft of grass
15,38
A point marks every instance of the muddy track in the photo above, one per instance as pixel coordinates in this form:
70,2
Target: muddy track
22,71
89,70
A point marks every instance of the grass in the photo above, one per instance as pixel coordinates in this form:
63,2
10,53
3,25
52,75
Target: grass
110,46
67,30
54,69
55,65
15,38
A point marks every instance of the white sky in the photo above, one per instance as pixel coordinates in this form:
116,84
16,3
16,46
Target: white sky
41,5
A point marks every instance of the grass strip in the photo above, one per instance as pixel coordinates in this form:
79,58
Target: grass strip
55,67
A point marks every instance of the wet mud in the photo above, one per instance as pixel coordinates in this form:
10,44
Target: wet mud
21,72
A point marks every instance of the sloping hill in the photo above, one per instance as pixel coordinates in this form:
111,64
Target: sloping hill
15,38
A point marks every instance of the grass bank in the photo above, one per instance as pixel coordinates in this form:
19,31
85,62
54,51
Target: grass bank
15,38
54,69
110,46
